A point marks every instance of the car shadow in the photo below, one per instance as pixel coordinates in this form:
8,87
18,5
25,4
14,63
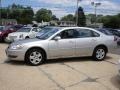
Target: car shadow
108,57
54,61
14,62
63,60
70,60
116,81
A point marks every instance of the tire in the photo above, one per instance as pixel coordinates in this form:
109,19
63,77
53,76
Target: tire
27,37
35,57
99,53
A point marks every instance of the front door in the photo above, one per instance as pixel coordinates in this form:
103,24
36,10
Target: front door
65,47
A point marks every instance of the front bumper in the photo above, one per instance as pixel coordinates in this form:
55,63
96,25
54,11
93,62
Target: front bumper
15,54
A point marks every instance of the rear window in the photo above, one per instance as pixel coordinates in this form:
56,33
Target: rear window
105,31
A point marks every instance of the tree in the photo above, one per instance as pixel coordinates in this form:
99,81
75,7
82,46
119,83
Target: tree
23,15
92,18
111,21
27,15
81,17
43,15
4,13
55,18
68,17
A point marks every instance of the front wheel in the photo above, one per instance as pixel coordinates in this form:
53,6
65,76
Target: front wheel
99,54
35,57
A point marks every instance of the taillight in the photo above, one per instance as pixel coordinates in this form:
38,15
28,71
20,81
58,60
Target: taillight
115,38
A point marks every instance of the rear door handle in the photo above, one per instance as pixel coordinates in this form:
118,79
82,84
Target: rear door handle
94,40
70,41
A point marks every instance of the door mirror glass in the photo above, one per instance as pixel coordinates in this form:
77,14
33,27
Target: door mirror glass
57,38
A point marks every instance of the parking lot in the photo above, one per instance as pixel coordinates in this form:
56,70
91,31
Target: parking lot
64,74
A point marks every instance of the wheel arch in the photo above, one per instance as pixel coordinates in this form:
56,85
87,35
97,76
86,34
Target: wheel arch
36,48
27,37
101,45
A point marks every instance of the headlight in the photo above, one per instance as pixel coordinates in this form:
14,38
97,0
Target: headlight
21,36
14,47
0,32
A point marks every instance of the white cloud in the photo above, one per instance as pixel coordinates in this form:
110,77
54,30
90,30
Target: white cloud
60,2
56,11
60,12
107,6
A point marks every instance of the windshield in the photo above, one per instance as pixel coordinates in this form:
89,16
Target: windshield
24,30
105,31
45,33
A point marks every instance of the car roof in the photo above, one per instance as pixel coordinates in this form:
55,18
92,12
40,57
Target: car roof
60,28
53,27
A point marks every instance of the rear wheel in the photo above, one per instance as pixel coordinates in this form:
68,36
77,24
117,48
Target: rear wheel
99,53
35,57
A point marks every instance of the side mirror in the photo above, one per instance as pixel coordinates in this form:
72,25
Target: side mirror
57,38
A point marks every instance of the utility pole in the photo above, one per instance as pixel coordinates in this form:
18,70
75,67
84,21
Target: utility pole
77,12
0,13
95,4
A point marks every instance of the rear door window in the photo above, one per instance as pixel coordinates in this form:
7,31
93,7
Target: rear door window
84,33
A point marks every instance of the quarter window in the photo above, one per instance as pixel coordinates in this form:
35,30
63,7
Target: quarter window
95,34
84,33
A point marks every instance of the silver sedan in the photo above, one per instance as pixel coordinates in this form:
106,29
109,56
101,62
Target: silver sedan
62,42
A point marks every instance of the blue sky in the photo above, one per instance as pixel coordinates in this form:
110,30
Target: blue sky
64,7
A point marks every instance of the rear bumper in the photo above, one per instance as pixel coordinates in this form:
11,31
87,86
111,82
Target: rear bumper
110,50
112,47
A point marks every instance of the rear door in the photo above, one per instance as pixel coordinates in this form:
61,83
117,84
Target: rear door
86,42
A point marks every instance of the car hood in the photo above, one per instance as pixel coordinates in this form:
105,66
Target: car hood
18,33
26,41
